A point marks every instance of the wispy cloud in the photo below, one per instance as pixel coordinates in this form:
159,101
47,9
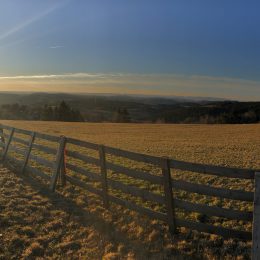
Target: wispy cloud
60,76
56,46
155,84
169,78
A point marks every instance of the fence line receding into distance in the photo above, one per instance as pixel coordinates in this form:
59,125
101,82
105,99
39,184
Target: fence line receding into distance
58,165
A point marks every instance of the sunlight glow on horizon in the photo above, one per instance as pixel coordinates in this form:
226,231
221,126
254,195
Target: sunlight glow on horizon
129,83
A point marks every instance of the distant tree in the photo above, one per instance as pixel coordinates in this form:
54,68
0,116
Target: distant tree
47,113
61,112
77,116
65,113
249,117
122,116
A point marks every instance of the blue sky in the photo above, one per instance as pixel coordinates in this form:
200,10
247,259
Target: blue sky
169,47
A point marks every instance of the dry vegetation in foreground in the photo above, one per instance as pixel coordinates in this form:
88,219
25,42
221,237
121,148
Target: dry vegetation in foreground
73,223
69,225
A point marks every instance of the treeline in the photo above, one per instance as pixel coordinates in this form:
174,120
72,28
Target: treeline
211,113
61,112
125,112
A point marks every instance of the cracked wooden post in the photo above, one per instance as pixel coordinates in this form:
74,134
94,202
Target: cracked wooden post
256,219
103,169
8,144
169,202
58,162
28,152
63,170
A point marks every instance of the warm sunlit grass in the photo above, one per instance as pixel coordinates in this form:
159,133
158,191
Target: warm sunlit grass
228,145
231,145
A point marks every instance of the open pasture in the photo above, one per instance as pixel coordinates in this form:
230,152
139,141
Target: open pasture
225,145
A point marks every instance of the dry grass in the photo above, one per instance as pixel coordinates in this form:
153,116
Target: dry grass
66,225
231,145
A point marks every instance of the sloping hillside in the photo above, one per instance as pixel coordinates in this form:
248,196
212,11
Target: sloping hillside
72,224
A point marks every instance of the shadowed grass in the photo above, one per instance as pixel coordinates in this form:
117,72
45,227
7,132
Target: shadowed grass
218,145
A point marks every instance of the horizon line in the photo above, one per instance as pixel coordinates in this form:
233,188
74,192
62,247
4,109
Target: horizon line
189,97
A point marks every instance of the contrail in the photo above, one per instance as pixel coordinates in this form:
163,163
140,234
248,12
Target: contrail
30,21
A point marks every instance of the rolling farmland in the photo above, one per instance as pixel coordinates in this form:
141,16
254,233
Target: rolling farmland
232,145
224,145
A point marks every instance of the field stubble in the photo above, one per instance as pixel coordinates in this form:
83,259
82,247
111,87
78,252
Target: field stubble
125,234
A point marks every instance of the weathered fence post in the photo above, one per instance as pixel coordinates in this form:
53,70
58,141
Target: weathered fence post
2,139
2,136
7,144
58,162
63,169
256,219
167,181
103,168
27,155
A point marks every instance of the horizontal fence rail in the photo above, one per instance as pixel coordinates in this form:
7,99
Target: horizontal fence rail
105,184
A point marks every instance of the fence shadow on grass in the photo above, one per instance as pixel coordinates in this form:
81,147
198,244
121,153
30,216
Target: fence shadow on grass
85,218
57,169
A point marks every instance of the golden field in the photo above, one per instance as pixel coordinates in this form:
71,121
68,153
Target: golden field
231,145
73,224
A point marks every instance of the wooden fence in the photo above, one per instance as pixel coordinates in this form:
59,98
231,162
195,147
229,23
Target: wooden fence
165,180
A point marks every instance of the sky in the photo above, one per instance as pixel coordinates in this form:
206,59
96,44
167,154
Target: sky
168,47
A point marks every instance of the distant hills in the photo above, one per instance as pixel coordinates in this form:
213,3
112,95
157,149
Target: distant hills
134,108
43,97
